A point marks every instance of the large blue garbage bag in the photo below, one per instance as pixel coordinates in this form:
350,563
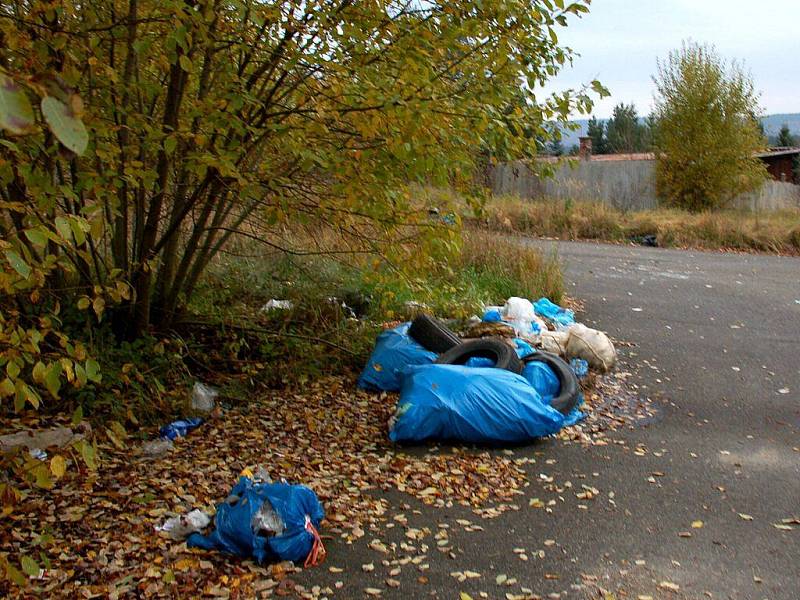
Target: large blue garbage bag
394,350
478,405
296,505
553,312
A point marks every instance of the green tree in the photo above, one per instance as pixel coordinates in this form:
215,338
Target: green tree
595,130
785,137
624,132
176,126
705,136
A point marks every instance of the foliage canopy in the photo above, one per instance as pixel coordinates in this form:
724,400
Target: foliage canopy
140,137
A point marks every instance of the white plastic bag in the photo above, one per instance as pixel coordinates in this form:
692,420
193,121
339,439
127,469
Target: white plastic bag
203,397
519,313
179,528
591,345
277,305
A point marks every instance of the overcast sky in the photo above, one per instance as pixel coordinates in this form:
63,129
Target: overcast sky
620,40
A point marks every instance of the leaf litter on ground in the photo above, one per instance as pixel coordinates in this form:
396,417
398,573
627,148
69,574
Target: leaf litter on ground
100,529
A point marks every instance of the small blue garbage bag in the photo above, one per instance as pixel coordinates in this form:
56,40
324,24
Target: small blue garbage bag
394,351
553,312
296,505
477,405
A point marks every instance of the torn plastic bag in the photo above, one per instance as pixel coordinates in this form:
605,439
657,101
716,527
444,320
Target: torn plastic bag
562,318
451,402
394,350
179,428
238,524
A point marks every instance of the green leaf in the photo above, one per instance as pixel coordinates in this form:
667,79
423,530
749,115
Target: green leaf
36,237
42,480
93,370
80,374
185,63
77,416
63,228
16,112
52,379
77,231
88,454
18,264
69,129
12,369
29,566
84,302
169,144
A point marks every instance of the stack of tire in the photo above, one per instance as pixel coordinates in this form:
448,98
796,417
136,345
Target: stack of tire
433,335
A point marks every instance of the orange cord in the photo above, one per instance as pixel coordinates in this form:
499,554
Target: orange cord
318,552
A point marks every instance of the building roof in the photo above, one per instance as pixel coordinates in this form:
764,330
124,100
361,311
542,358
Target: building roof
779,151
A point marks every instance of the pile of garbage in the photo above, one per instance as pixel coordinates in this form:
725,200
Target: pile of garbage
506,381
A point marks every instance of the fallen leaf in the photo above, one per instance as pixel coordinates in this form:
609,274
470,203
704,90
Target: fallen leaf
667,585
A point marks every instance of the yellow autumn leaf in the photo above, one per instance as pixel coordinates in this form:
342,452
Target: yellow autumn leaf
58,466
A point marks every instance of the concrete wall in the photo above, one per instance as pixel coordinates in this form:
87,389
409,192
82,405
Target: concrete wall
625,184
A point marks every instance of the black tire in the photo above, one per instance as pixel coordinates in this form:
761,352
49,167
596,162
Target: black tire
505,356
432,335
569,392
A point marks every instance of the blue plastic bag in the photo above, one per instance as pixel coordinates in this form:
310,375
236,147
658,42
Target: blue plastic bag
542,378
296,505
580,367
394,351
560,316
180,428
451,402
492,316
523,348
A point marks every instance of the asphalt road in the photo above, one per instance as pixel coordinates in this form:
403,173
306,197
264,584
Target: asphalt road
716,344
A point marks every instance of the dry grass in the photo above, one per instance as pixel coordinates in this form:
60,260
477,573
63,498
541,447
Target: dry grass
517,270
775,232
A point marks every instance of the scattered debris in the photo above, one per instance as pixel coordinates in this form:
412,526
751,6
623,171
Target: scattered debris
277,305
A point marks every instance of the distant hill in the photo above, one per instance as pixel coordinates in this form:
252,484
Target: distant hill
772,125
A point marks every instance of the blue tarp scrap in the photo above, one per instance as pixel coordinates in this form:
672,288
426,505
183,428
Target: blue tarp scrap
296,505
477,405
394,350
553,312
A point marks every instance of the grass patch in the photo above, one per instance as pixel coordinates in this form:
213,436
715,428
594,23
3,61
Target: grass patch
774,232
245,346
